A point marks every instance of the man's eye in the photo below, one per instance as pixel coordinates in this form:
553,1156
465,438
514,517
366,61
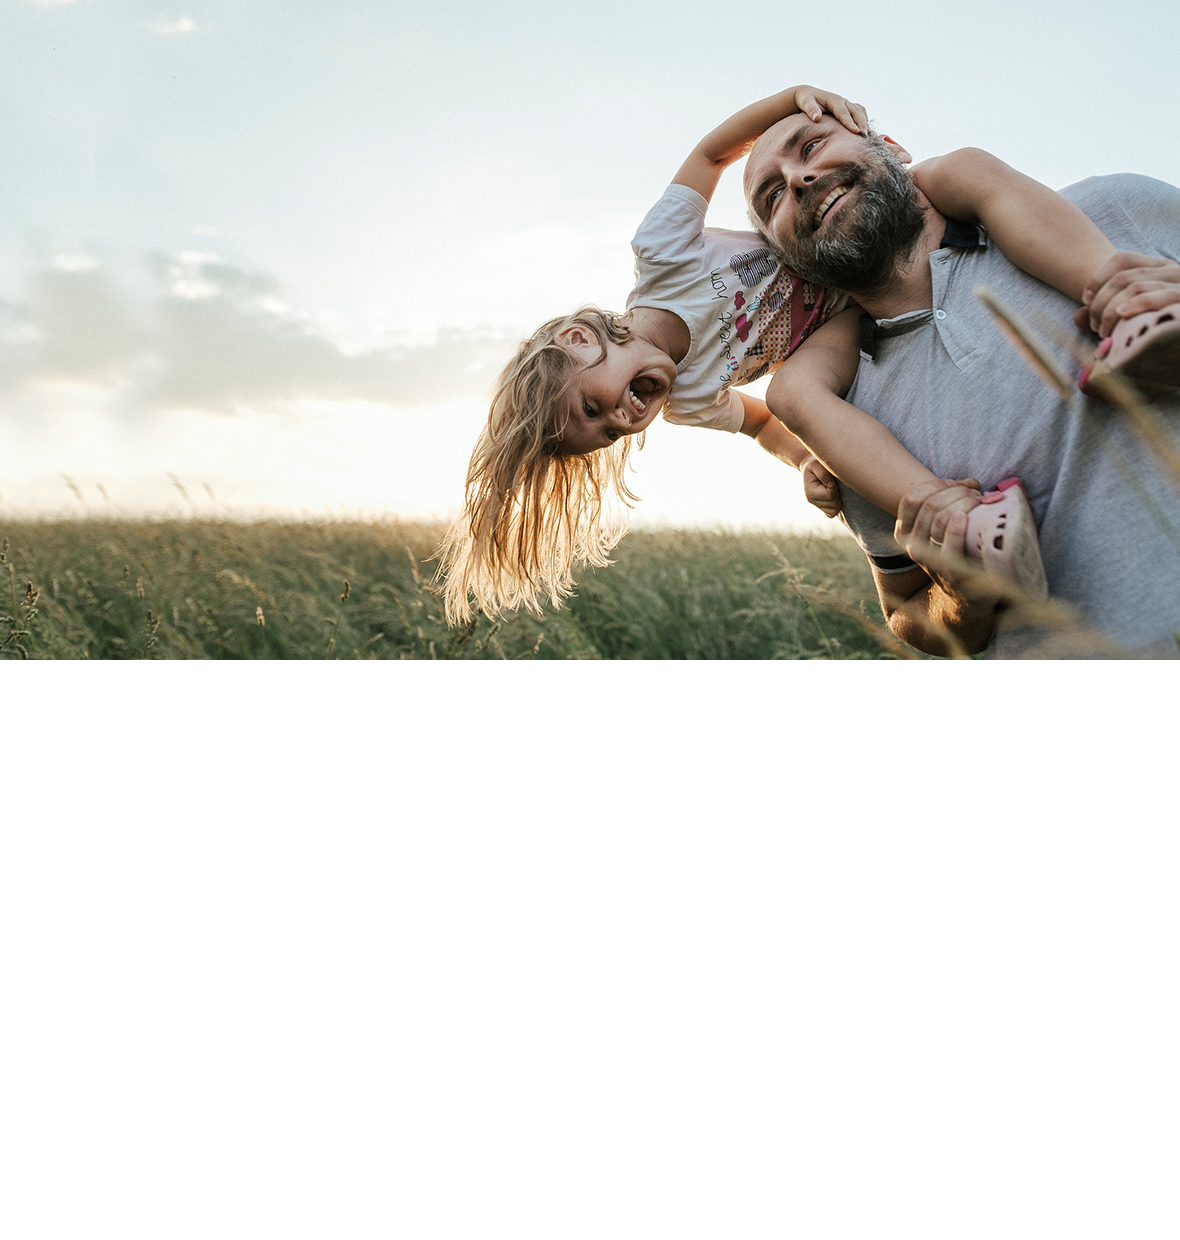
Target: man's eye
808,148
772,197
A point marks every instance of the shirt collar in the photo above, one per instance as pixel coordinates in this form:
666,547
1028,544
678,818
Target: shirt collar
957,236
963,236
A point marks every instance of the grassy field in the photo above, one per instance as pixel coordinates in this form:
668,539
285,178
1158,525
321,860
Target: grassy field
274,590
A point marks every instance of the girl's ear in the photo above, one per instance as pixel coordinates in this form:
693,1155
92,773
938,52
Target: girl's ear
576,337
898,150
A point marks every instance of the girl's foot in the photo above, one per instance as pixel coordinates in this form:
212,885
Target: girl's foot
1002,535
1144,349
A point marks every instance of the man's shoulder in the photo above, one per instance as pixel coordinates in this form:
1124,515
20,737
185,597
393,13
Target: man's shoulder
1126,186
1135,211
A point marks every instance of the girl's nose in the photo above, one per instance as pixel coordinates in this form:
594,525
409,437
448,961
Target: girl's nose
620,416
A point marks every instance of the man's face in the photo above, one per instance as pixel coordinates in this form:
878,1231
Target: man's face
838,206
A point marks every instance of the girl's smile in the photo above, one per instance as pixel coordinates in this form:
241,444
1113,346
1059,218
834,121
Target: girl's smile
615,396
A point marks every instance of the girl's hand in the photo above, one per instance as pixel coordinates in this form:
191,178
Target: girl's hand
814,103
1125,285
819,487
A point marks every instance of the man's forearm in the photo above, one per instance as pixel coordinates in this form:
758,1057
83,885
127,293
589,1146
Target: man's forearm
933,621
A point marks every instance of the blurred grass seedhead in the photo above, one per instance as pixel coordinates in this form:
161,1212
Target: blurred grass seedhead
19,623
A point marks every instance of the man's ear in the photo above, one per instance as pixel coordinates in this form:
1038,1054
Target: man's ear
902,154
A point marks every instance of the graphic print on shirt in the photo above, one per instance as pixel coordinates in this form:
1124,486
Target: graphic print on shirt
780,318
752,268
742,324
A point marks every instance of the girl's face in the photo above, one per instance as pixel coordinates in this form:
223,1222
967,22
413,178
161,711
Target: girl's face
618,396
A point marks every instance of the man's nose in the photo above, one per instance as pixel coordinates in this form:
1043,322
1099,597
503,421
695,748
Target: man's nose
799,179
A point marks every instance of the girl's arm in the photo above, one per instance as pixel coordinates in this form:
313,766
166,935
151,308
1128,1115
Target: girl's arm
1037,229
733,138
819,486
805,394
769,433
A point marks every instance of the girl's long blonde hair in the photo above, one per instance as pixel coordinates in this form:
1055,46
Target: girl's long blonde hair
532,514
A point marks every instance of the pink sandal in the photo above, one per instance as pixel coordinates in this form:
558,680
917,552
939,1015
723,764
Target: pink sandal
1002,535
1144,349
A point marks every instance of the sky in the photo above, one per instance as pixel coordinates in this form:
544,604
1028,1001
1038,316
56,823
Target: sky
260,257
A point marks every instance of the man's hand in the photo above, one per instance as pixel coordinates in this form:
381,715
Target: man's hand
946,605
950,607
820,487
1125,285
932,527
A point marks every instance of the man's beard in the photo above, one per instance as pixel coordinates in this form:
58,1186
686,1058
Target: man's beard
861,252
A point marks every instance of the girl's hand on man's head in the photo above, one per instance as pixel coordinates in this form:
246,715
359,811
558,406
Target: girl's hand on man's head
814,102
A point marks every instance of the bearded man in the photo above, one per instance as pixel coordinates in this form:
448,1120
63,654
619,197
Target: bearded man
936,371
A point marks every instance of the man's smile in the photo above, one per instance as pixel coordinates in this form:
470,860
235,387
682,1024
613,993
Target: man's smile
825,196
821,212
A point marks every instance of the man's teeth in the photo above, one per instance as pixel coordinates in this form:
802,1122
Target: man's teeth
829,201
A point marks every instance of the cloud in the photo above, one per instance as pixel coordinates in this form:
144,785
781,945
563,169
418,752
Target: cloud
183,25
188,331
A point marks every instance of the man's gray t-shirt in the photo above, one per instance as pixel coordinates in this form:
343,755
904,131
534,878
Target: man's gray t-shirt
960,398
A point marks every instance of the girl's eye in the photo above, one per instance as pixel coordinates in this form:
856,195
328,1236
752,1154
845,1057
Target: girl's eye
589,412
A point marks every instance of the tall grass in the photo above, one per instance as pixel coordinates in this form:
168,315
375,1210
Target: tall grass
272,590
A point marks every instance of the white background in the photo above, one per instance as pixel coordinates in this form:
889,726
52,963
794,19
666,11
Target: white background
453,950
